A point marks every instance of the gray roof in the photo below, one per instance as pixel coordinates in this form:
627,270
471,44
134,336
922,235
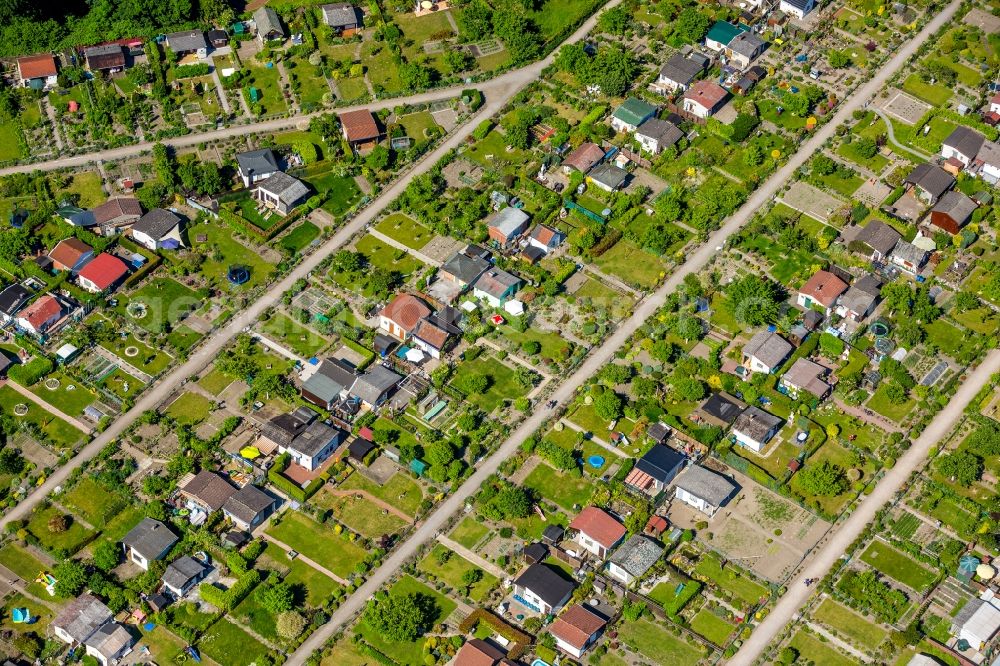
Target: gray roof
955,205
989,153
12,298
372,385
81,617
257,161
931,178
110,640
496,282
181,571
315,437
768,347
150,538
747,44
965,141
723,406
680,70
857,299
610,175
509,221
637,555
908,252
706,484
209,488
329,380
188,40
464,267
341,14
288,189
870,284
267,21
248,502
546,583
157,223
879,236
808,376
665,132
755,423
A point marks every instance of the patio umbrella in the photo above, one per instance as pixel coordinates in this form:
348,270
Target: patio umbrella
414,355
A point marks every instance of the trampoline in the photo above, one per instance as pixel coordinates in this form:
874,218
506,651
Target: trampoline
595,461
880,329
238,275
884,345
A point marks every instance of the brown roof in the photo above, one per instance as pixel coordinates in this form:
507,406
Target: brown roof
67,252
36,66
359,125
576,626
477,652
431,334
706,93
117,207
599,526
209,488
543,233
824,287
584,157
406,310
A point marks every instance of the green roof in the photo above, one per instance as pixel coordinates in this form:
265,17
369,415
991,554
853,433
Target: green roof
634,111
723,32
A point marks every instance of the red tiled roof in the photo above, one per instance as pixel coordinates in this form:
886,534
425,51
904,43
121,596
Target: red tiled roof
117,207
576,626
639,479
824,287
706,93
41,311
585,156
359,125
599,526
431,334
104,270
68,252
656,525
477,652
405,310
37,66
544,234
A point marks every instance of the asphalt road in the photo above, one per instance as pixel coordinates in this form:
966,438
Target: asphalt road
602,354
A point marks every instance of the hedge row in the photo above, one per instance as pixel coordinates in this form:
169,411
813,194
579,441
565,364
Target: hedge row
520,639
295,491
228,599
31,372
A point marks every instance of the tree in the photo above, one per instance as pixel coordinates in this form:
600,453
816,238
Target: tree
476,20
509,501
531,347
11,462
416,76
691,25
754,155
838,59
823,479
518,33
276,596
59,523
164,166
608,406
290,624
754,300
517,128
897,297
823,165
966,301
476,384
378,159
689,388
457,60
615,373
831,346
440,453
71,578
470,578
615,21
401,617
866,147
788,656
962,467
614,70
106,555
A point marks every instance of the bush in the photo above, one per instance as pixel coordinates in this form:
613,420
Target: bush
187,71
31,372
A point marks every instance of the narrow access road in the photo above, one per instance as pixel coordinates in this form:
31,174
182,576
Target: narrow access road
603,354
821,561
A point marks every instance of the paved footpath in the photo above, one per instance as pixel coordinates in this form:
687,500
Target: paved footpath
603,354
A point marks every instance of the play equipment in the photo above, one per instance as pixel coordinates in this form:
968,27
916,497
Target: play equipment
21,616
49,581
880,329
238,275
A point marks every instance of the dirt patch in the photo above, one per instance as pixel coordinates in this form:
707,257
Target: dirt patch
906,108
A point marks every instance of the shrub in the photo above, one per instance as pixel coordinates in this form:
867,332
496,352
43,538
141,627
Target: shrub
31,372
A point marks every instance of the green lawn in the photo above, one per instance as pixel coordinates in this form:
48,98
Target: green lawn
92,501
215,381
299,237
565,489
122,523
256,617
311,586
932,93
383,72
67,394
730,578
552,16
60,433
707,624
360,515
658,645
862,631
404,229
981,320
41,616
148,360
409,654
352,88
122,384
268,84
387,257
165,301
301,340
495,144
502,386
453,569
164,646
469,532
966,75
10,144
895,564
227,644
553,345
417,124
318,542
87,186
876,163
946,336
819,653
189,408
69,540
21,562
881,404
183,338
340,192
400,490
223,251
633,265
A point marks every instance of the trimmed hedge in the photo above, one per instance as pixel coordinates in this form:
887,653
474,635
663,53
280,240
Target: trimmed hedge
187,71
520,639
31,372
296,492
227,600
